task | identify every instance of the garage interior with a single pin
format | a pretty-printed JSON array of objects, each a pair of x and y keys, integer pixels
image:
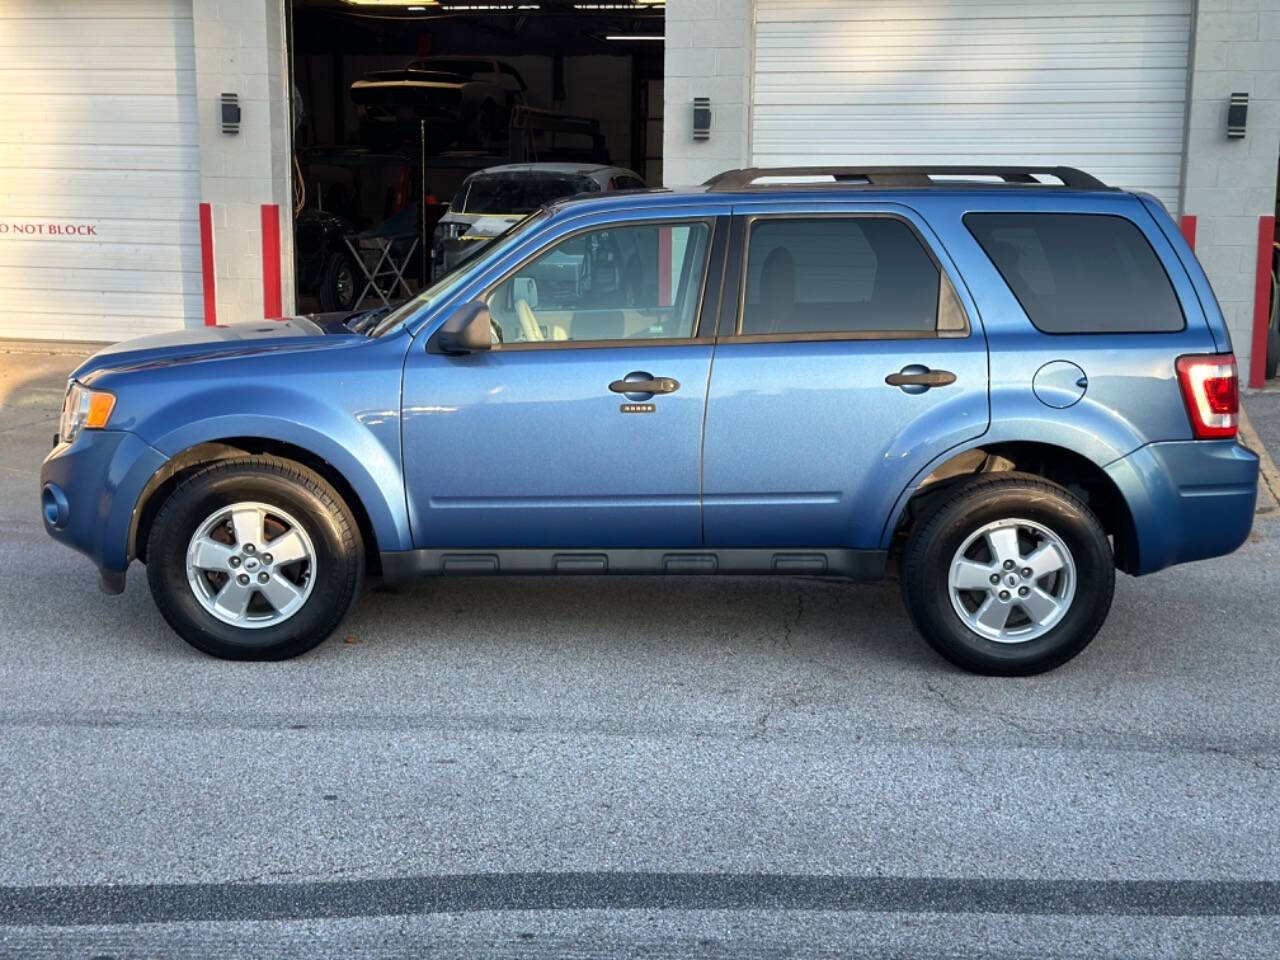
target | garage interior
[{"x": 582, "y": 83}]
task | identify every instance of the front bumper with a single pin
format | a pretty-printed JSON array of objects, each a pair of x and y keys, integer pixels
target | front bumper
[
  {"x": 89, "y": 491},
  {"x": 1189, "y": 500}
]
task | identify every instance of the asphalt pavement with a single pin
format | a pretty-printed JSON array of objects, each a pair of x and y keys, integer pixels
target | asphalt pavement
[
  {"x": 631, "y": 767},
  {"x": 1263, "y": 409}
]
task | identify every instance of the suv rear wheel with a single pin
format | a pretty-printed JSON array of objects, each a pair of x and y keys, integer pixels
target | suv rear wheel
[
  {"x": 254, "y": 558},
  {"x": 1011, "y": 576}
]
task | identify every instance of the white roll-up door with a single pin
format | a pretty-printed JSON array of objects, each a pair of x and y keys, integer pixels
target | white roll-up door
[
  {"x": 99, "y": 169},
  {"x": 1100, "y": 86}
]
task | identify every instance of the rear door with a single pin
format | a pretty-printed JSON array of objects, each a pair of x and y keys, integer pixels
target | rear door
[{"x": 850, "y": 357}]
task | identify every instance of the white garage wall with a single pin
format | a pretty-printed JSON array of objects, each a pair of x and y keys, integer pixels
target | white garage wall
[
  {"x": 1101, "y": 86},
  {"x": 98, "y": 136}
]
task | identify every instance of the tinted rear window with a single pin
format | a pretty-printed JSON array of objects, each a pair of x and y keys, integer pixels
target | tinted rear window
[
  {"x": 1080, "y": 273},
  {"x": 520, "y": 194},
  {"x": 845, "y": 275}
]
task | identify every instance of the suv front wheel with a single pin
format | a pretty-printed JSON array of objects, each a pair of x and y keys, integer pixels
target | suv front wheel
[
  {"x": 1011, "y": 576},
  {"x": 254, "y": 558}
]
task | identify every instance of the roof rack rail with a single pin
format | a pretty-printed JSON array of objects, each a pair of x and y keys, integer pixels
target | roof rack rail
[{"x": 906, "y": 176}]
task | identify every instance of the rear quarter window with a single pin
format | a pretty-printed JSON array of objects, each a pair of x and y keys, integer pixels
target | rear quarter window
[{"x": 1080, "y": 273}]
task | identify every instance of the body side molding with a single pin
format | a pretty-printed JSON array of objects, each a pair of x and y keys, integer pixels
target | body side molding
[{"x": 866, "y": 565}]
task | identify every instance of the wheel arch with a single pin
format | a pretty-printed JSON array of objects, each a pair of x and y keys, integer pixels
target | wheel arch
[
  {"x": 1057, "y": 464},
  {"x": 177, "y": 468}
]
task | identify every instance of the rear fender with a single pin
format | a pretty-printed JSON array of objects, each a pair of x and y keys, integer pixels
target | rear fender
[{"x": 1090, "y": 430}]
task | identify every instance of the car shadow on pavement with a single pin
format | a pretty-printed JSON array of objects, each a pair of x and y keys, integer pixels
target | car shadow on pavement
[
  {"x": 756, "y": 619},
  {"x": 646, "y": 615}
]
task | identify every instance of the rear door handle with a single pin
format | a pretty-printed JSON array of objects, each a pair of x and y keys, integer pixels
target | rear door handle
[
  {"x": 919, "y": 376},
  {"x": 645, "y": 383}
]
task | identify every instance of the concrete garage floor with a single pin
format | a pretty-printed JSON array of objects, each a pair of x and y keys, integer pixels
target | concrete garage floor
[{"x": 631, "y": 767}]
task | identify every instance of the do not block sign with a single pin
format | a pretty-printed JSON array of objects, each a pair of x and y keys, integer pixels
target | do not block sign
[{"x": 20, "y": 228}]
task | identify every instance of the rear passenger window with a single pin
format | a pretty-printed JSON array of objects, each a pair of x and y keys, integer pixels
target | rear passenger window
[
  {"x": 1080, "y": 273},
  {"x": 844, "y": 275}
]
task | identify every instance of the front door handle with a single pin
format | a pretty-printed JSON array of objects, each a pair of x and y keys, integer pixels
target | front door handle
[
  {"x": 916, "y": 378},
  {"x": 644, "y": 383}
]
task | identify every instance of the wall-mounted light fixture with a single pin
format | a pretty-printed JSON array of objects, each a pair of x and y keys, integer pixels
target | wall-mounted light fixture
[
  {"x": 1237, "y": 114},
  {"x": 230, "y": 113},
  {"x": 702, "y": 118}
]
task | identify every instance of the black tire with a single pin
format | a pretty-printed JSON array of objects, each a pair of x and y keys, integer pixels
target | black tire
[
  {"x": 932, "y": 546},
  {"x": 340, "y": 282},
  {"x": 328, "y": 522}
]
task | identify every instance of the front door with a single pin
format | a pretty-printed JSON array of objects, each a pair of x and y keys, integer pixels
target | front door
[
  {"x": 849, "y": 362},
  {"x": 582, "y": 427}
]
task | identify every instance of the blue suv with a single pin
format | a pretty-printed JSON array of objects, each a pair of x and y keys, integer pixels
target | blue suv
[{"x": 1001, "y": 383}]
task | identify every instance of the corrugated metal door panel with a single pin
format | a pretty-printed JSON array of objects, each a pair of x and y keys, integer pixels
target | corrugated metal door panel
[
  {"x": 1101, "y": 86},
  {"x": 99, "y": 169}
]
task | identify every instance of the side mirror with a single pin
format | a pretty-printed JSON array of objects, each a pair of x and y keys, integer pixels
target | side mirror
[{"x": 468, "y": 329}]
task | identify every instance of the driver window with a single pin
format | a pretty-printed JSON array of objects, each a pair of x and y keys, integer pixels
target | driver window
[{"x": 633, "y": 282}]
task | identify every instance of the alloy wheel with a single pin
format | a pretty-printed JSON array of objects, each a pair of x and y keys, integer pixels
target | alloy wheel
[
  {"x": 1012, "y": 580},
  {"x": 251, "y": 565}
]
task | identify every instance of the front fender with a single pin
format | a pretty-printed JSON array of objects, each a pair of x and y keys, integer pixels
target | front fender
[
  {"x": 340, "y": 403},
  {"x": 356, "y": 452}
]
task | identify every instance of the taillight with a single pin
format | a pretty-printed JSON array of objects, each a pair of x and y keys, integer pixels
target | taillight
[{"x": 1211, "y": 389}]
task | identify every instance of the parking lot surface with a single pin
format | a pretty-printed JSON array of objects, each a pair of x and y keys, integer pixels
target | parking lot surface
[{"x": 626, "y": 767}]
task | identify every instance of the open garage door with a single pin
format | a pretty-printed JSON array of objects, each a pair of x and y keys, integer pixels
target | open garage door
[
  {"x": 1101, "y": 86},
  {"x": 99, "y": 169},
  {"x": 401, "y": 106}
]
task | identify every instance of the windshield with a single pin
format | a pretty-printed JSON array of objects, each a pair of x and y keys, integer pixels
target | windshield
[
  {"x": 448, "y": 281},
  {"x": 509, "y": 194}
]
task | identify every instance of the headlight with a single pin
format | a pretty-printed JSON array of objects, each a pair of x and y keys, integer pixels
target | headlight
[{"x": 84, "y": 409}]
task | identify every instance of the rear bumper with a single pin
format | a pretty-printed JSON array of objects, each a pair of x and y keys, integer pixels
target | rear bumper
[
  {"x": 89, "y": 490},
  {"x": 1189, "y": 500}
]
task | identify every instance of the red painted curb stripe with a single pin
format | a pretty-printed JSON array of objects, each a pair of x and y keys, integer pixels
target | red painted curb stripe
[
  {"x": 1261, "y": 302},
  {"x": 1188, "y": 227},
  {"x": 271, "y": 301},
  {"x": 206, "y": 265}
]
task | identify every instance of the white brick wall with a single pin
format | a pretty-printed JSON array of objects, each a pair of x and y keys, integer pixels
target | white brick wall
[
  {"x": 1228, "y": 184},
  {"x": 709, "y": 50},
  {"x": 240, "y": 48}
]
